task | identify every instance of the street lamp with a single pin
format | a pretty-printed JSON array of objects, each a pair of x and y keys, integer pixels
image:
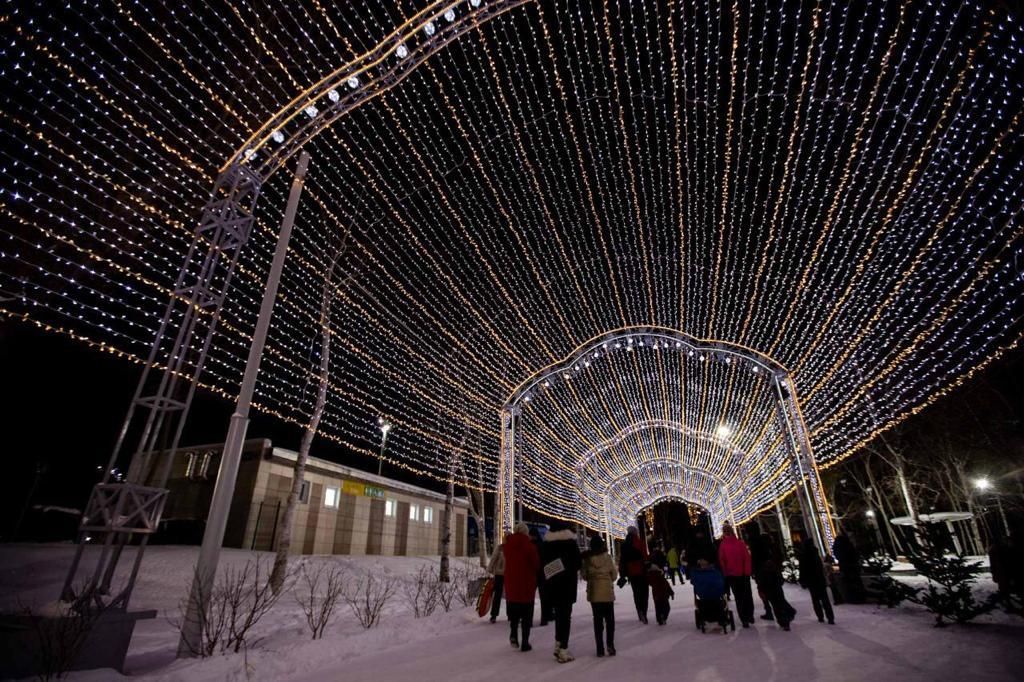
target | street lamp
[
  {"x": 385, "y": 427},
  {"x": 984, "y": 484},
  {"x": 873, "y": 522}
]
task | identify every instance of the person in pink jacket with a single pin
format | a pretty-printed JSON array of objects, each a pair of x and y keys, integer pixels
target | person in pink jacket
[{"x": 734, "y": 560}]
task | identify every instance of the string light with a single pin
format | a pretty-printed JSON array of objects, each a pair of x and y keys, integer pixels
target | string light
[{"x": 839, "y": 189}]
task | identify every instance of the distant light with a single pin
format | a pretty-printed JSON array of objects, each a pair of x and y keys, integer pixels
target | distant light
[
  {"x": 870, "y": 513},
  {"x": 311, "y": 111},
  {"x": 449, "y": 15},
  {"x": 982, "y": 483},
  {"x": 277, "y": 136},
  {"x": 429, "y": 28},
  {"x": 401, "y": 51},
  {"x": 723, "y": 431},
  {"x": 353, "y": 82},
  {"x": 333, "y": 95}
]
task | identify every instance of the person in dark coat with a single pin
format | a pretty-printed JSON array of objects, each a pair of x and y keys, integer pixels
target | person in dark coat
[
  {"x": 631, "y": 567},
  {"x": 560, "y": 562},
  {"x": 661, "y": 591},
  {"x": 848, "y": 558},
  {"x": 812, "y": 577},
  {"x": 521, "y": 565},
  {"x": 700, "y": 548},
  {"x": 757, "y": 543},
  {"x": 547, "y": 614},
  {"x": 769, "y": 581}
]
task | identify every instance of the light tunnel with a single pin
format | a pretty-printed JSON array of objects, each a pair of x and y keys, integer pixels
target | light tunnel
[{"x": 643, "y": 411}]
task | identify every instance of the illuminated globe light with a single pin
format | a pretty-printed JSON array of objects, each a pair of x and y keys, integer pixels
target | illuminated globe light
[
  {"x": 450, "y": 15},
  {"x": 311, "y": 111},
  {"x": 401, "y": 51},
  {"x": 475, "y": 3},
  {"x": 277, "y": 136},
  {"x": 429, "y": 28},
  {"x": 334, "y": 95},
  {"x": 353, "y": 82}
]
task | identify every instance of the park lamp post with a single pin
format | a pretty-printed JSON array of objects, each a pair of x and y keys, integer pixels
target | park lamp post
[
  {"x": 873, "y": 522},
  {"x": 984, "y": 484},
  {"x": 385, "y": 427}
]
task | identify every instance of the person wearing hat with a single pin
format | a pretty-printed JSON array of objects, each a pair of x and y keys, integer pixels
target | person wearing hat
[
  {"x": 560, "y": 562},
  {"x": 631, "y": 568},
  {"x": 598, "y": 570},
  {"x": 734, "y": 561},
  {"x": 521, "y": 565}
]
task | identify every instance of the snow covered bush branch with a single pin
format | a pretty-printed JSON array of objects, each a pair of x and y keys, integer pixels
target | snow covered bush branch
[
  {"x": 367, "y": 597},
  {"x": 318, "y": 595}
]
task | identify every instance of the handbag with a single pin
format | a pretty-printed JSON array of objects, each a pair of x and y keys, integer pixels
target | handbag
[{"x": 621, "y": 581}]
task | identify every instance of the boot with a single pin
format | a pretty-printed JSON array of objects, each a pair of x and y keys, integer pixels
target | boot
[
  {"x": 564, "y": 656},
  {"x": 611, "y": 649}
]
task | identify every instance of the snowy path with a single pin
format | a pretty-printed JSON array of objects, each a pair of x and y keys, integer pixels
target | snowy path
[{"x": 866, "y": 644}]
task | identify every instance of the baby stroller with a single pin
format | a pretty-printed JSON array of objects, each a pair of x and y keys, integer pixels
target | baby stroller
[{"x": 709, "y": 597}]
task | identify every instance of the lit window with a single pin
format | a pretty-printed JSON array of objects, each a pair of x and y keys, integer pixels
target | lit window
[
  {"x": 414, "y": 512},
  {"x": 331, "y": 498},
  {"x": 389, "y": 508},
  {"x": 428, "y": 514}
]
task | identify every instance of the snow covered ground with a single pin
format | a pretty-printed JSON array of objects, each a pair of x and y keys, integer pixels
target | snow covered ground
[{"x": 867, "y": 643}]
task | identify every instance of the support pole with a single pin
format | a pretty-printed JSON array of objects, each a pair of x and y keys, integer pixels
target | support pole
[
  {"x": 223, "y": 492},
  {"x": 787, "y": 535}
]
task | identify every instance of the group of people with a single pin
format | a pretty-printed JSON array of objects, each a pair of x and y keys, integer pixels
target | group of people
[{"x": 525, "y": 564}]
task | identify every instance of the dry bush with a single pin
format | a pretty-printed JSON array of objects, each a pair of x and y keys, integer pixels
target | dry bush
[
  {"x": 367, "y": 596},
  {"x": 60, "y": 638},
  {"x": 464, "y": 577},
  {"x": 421, "y": 591},
  {"x": 239, "y": 599},
  {"x": 317, "y": 593}
]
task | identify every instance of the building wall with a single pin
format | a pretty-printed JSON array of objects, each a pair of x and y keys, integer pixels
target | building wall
[{"x": 370, "y": 516}]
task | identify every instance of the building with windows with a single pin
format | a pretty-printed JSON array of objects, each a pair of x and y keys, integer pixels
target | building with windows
[{"x": 341, "y": 510}]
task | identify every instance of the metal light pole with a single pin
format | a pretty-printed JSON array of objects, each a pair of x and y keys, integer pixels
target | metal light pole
[
  {"x": 385, "y": 428},
  {"x": 873, "y": 522},
  {"x": 985, "y": 485},
  {"x": 209, "y": 554}
]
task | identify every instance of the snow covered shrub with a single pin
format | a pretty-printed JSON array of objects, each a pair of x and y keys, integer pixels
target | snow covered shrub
[
  {"x": 367, "y": 596},
  {"x": 466, "y": 578},
  {"x": 949, "y": 593},
  {"x": 59, "y": 638},
  {"x": 318, "y": 594},
  {"x": 446, "y": 594},
  {"x": 239, "y": 599},
  {"x": 421, "y": 591},
  {"x": 881, "y": 586},
  {"x": 791, "y": 567}
]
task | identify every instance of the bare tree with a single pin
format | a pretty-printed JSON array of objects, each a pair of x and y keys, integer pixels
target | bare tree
[
  {"x": 284, "y": 529},
  {"x": 475, "y": 496}
]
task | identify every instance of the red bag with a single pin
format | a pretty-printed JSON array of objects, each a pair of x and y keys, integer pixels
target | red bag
[{"x": 483, "y": 602}]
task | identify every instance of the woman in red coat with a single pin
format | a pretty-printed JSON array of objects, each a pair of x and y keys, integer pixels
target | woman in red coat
[
  {"x": 734, "y": 560},
  {"x": 522, "y": 562}
]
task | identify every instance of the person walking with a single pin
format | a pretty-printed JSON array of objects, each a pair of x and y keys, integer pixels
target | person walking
[
  {"x": 560, "y": 562},
  {"x": 631, "y": 567},
  {"x": 812, "y": 577},
  {"x": 734, "y": 561},
  {"x": 546, "y": 612},
  {"x": 497, "y": 569},
  {"x": 848, "y": 558},
  {"x": 661, "y": 591},
  {"x": 522, "y": 563},
  {"x": 757, "y": 543},
  {"x": 598, "y": 570},
  {"x": 769, "y": 581},
  {"x": 673, "y": 565}
]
